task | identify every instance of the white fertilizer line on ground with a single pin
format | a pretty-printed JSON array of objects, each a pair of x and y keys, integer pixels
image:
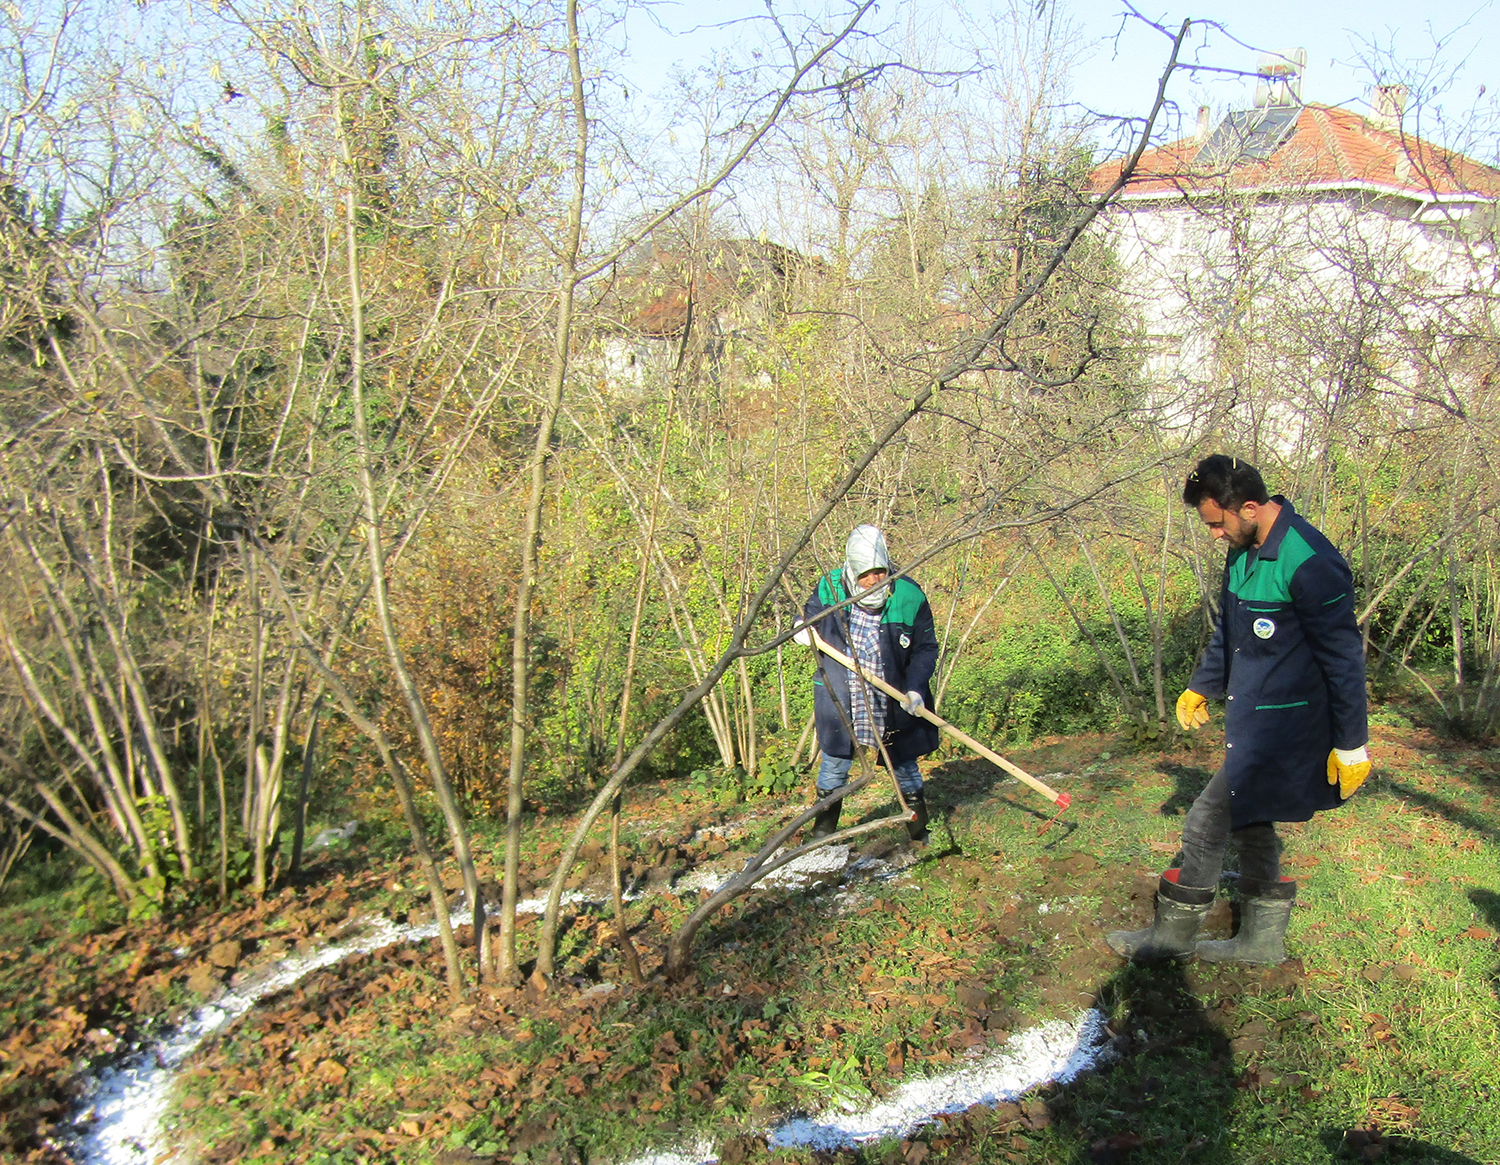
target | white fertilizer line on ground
[
  {"x": 119, "y": 1121},
  {"x": 701, "y": 1153},
  {"x": 120, "y": 1118},
  {"x": 126, "y": 1102},
  {"x": 795, "y": 875},
  {"x": 1056, "y": 1051}
]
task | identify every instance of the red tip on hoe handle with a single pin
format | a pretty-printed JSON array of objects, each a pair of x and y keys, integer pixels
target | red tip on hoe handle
[{"x": 1062, "y": 802}]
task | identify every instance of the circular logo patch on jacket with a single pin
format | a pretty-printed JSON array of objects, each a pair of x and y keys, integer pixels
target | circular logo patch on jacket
[
  {"x": 906, "y": 641},
  {"x": 1263, "y": 628}
]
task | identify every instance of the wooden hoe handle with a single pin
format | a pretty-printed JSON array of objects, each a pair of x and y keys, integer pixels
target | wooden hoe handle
[{"x": 1061, "y": 800}]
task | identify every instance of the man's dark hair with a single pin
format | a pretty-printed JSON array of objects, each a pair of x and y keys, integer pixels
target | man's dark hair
[{"x": 1226, "y": 481}]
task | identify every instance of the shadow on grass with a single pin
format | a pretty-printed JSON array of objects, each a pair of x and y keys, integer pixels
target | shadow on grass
[
  {"x": 959, "y": 783},
  {"x": 1487, "y": 827},
  {"x": 1190, "y": 781},
  {"x": 1372, "y": 1145},
  {"x": 1487, "y": 902},
  {"x": 1169, "y": 1094}
]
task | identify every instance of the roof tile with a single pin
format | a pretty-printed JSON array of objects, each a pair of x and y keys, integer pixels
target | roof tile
[{"x": 1329, "y": 146}]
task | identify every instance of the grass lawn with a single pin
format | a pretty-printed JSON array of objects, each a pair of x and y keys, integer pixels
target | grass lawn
[{"x": 1378, "y": 1040}]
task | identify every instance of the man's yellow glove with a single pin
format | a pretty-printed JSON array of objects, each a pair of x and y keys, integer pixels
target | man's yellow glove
[
  {"x": 1348, "y": 768},
  {"x": 1192, "y": 710}
]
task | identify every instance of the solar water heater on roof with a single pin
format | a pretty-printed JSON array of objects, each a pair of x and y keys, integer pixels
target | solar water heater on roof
[{"x": 1249, "y": 135}]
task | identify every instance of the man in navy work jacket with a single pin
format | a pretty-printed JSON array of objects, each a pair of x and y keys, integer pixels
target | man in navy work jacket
[
  {"x": 889, "y": 631},
  {"x": 1288, "y": 660}
]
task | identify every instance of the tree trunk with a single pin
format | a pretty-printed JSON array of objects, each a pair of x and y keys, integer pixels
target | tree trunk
[
  {"x": 375, "y": 555},
  {"x": 531, "y": 534}
]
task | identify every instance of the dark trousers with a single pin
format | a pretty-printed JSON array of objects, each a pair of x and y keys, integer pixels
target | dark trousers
[{"x": 1206, "y": 836}]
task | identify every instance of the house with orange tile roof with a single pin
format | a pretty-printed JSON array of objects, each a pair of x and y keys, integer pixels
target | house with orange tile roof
[
  {"x": 1303, "y": 150},
  {"x": 711, "y": 303},
  {"x": 1298, "y": 254}
]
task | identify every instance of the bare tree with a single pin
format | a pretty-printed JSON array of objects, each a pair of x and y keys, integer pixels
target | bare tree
[
  {"x": 575, "y": 270},
  {"x": 971, "y": 354}
]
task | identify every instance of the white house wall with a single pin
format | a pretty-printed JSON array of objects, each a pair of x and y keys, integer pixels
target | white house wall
[{"x": 1270, "y": 295}]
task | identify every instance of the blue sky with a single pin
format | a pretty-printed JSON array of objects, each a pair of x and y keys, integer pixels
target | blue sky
[
  {"x": 1452, "y": 47},
  {"x": 1461, "y": 37}
]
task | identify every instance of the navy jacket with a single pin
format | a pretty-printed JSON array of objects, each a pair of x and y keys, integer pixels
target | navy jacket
[
  {"x": 1288, "y": 655},
  {"x": 908, "y": 652}
]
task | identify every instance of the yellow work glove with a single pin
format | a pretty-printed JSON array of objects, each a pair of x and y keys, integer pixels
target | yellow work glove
[
  {"x": 1348, "y": 768},
  {"x": 1192, "y": 710}
]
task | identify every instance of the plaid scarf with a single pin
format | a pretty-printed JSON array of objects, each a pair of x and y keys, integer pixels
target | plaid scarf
[{"x": 866, "y": 704}]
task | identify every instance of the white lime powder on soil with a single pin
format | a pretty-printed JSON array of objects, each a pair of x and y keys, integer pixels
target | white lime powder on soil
[{"x": 120, "y": 1120}]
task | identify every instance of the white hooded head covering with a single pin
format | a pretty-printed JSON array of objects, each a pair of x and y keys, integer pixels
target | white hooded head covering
[{"x": 864, "y": 551}]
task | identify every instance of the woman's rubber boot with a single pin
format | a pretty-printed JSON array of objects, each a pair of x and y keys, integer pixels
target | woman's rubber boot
[
  {"x": 916, "y": 828},
  {"x": 1265, "y": 910},
  {"x": 827, "y": 821},
  {"x": 1174, "y": 932}
]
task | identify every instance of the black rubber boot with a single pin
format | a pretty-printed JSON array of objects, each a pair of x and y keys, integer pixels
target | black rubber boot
[
  {"x": 1174, "y": 932},
  {"x": 827, "y": 821},
  {"x": 916, "y": 828},
  {"x": 1265, "y": 910}
]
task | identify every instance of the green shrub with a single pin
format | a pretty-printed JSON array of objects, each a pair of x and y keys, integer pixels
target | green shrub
[{"x": 1030, "y": 682}]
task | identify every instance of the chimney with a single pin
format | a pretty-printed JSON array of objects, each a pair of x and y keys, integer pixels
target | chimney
[
  {"x": 1279, "y": 78},
  {"x": 1205, "y": 124},
  {"x": 1387, "y": 105}
]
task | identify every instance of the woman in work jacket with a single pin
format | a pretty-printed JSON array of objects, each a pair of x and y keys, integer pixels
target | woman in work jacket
[{"x": 889, "y": 631}]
